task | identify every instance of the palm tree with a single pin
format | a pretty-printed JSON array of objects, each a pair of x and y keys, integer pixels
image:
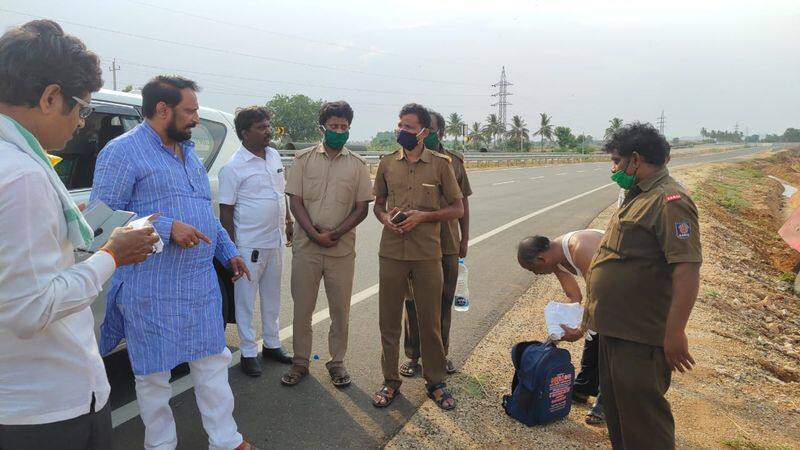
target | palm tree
[
  {"x": 455, "y": 126},
  {"x": 545, "y": 128},
  {"x": 519, "y": 130},
  {"x": 476, "y": 134},
  {"x": 614, "y": 125},
  {"x": 493, "y": 127}
]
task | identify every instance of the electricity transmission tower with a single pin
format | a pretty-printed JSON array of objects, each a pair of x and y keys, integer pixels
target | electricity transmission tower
[
  {"x": 502, "y": 97},
  {"x": 114, "y": 68},
  {"x": 660, "y": 121}
]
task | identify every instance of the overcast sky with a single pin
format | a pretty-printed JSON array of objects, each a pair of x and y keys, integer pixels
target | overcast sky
[{"x": 706, "y": 63}]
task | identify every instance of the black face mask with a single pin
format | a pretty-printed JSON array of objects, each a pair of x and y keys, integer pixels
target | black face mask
[
  {"x": 407, "y": 140},
  {"x": 177, "y": 135}
]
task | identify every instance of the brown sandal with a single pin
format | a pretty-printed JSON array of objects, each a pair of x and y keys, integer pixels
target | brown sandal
[
  {"x": 339, "y": 377},
  {"x": 294, "y": 376},
  {"x": 410, "y": 368},
  {"x": 384, "y": 398}
]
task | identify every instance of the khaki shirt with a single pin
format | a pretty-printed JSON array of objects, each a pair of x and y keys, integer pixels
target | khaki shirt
[
  {"x": 451, "y": 232},
  {"x": 629, "y": 284},
  {"x": 330, "y": 189},
  {"x": 427, "y": 185}
]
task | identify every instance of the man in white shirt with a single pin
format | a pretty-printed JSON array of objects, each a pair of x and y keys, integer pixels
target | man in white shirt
[
  {"x": 53, "y": 385},
  {"x": 252, "y": 207}
]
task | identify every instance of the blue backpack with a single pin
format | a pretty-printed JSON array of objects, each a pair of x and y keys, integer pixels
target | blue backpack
[{"x": 541, "y": 391}]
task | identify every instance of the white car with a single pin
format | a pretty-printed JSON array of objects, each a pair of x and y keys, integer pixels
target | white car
[{"x": 117, "y": 112}]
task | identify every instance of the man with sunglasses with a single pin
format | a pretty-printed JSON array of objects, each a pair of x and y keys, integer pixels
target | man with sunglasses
[{"x": 53, "y": 386}]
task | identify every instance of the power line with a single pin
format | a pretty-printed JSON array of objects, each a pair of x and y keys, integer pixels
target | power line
[
  {"x": 237, "y": 53},
  {"x": 340, "y": 46},
  {"x": 263, "y": 80}
]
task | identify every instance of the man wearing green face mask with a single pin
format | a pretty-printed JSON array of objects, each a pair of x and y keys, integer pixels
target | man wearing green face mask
[
  {"x": 642, "y": 285},
  {"x": 329, "y": 189}
]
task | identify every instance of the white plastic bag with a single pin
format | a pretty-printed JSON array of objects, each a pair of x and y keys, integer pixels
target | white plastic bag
[{"x": 557, "y": 313}]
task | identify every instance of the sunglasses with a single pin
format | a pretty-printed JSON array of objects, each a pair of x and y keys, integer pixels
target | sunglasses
[{"x": 86, "y": 109}]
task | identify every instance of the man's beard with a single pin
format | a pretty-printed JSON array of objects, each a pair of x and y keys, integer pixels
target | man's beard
[{"x": 177, "y": 135}]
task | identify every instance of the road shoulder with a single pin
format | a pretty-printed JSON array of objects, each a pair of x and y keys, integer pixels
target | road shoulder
[{"x": 743, "y": 392}]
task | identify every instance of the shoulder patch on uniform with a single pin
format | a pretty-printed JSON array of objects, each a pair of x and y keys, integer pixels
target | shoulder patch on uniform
[
  {"x": 303, "y": 152},
  {"x": 458, "y": 155},
  {"x": 683, "y": 230},
  {"x": 358, "y": 157},
  {"x": 672, "y": 197},
  {"x": 445, "y": 157}
]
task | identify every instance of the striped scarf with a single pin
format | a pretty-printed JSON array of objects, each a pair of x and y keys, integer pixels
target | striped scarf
[{"x": 78, "y": 230}]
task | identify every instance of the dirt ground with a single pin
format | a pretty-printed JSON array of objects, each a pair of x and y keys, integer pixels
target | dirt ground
[{"x": 744, "y": 334}]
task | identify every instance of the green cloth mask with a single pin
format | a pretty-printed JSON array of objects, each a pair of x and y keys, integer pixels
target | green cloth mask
[
  {"x": 432, "y": 141},
  {"x": 622, "y": 178},
  {"x": 336, "y": 140}
]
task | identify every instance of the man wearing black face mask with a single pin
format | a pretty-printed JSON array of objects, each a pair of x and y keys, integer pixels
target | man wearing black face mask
[
  {"x": 415, "y": 190},
  {"x": 642, "y": 285}
]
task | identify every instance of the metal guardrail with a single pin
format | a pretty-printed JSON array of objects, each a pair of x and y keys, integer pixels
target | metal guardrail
[{"x": 287, "y": 156}]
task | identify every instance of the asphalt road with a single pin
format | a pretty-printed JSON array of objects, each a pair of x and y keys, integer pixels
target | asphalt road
[{"x": 507, "y": 205}]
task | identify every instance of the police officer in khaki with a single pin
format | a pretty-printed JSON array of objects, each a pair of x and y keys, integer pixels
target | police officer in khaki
[
  {"x": 455, "y": 240},
  {"x": 329, "y": 189},
  {"x": 642, "y": 285},
  {"x": 415, "y": 190}
]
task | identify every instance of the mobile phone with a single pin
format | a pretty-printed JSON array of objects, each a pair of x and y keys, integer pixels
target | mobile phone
[
  {"x": 398, "y": 217},
  {"x": 254, "y": 256}
]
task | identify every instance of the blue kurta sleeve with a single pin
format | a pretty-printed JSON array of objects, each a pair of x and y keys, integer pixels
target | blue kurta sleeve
[
  {"x": 114, "y": 181},
  {"x": 226, "y": 249}
]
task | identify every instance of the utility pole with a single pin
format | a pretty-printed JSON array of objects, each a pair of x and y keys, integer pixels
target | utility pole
[
  {"x": 114, "y": 68},
  {"x": 660, "y": 121},
  {"x": 502, "y": 97}
]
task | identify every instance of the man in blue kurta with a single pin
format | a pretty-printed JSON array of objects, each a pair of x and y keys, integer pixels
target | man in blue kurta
[{"x": 169, "y": 308}]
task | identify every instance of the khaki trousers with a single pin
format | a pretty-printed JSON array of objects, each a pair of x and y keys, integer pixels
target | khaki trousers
[
  {"x": 307, "y": 271},
  {"x": 633, "y": 379},
  {"x": 411, "y": 327},
  {"x": 426, "y": 280}
]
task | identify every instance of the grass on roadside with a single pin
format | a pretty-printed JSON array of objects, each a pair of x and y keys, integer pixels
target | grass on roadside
[
  {"x": 747, "y": 444},
  {"x": 473, "y": 385}
]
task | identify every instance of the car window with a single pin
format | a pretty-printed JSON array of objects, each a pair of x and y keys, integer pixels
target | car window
[
  {"x": 76, "y": 170},
  {"x": 208, "y": 137}
]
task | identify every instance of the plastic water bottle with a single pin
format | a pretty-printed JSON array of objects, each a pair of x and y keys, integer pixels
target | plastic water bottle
[{"x": 461, "y": 302}]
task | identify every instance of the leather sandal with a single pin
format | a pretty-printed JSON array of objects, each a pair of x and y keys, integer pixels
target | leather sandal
[
  {"x": 444, "y": 397},
  {"x": 410, "y": 368},
  {"x": 339, "y": 377},
  {"x": 294, "y": 376},
  {"x": 383, "y": 397}
]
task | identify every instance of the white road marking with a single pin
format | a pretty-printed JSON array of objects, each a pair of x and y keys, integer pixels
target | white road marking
[
  {"x": 562, "y": 173},
  {"x": 131, "y": 410},
  {"x": 581, "y": 171},
  {"x": 503, "y": 182},
  {"x": 597, "y": 169},
  {"x": 536, "y": 178}
]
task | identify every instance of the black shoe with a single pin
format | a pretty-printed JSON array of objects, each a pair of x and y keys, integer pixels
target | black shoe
[
  {"x": 276, "y": 354},
  {"x": 251, "y": 366}
]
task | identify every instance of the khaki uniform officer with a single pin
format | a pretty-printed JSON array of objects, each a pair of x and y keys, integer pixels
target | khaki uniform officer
[
  {"x": 422, "y": 183},
  {"x": 330, "y": 186},
  {"x": 450, "y": 238},
  {"x": 642, "y": 284}
]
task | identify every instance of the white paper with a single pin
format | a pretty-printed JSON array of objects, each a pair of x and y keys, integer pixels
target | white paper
[
  {"x": 158, "y": 247},
  {"x": 557, "y": 313}
]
